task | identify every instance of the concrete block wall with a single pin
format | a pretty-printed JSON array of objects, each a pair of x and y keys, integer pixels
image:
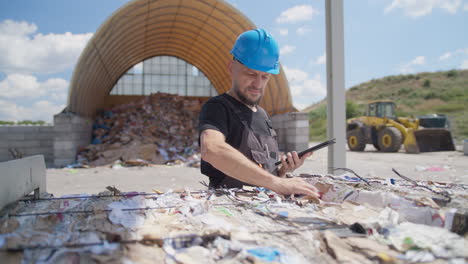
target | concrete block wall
[
  {"x": 279, "y": 124},
  {"x": 27, "y": 140},
  {"x": 71, "y": 132},
  {"x": 292, "y": 130}
]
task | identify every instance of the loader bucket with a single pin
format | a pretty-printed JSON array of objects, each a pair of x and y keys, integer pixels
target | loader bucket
[
  {"x": 410, "y": 143},
  {"x": 434, "y": 139}
]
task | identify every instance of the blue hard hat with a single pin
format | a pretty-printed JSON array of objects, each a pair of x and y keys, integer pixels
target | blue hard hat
[{"x": 258, "y": 50}]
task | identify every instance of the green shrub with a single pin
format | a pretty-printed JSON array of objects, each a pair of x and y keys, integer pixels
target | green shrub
[
  {"x": 404, "y": 90},
  {"x": 7, "y": 122},
  {"x": 427, "y": 83},
  {"x": 352, "y": 109},
  {"x": 318, "y": 130},
  {"x": 318, "y": 123},
  {"x": 410, "y": 102},
  {"x": 452, "y": 73},
  {"x": 320, "y": 112},
  {"x": 430, "y": 95},
  {"x": 29, "y": 122},
  {"x": 453, "y": 94},
  {"x": 461, "y": 126},
  {"x": 24, "y": 122}
]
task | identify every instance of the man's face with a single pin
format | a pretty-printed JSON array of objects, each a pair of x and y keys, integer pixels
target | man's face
[{"x": 248, "y": 84}]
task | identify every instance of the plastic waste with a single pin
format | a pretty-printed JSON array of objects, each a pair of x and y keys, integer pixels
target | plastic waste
[{"x": 266, "y": 253}]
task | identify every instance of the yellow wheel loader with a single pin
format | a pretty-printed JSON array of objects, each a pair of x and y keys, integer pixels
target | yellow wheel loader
[{"x": 387, "y": 133}]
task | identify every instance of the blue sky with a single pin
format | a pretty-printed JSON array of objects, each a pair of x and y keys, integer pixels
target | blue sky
[{"x": 40, "y": 42}]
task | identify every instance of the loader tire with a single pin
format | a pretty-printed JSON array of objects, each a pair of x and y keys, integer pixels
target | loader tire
[
  {"x": 355, "y": 140},
  {"x": 390, "y": 139},
  {"x": 375, "y": 138}
]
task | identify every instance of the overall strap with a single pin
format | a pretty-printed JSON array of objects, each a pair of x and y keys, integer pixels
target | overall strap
[
  {"x": 237, "y": 111},
  {"x": 264, "y": 113},
  {"x": 268, "y": 121}
]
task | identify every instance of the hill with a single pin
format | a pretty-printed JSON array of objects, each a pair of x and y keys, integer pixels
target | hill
[{"x": 444, "y": 92}]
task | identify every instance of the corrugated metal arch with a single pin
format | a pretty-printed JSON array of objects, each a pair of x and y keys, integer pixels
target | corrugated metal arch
[{"x": 200, "y": 32}]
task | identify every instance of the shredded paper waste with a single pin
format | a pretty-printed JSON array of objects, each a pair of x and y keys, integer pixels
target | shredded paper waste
[{"x": 376, "y": 221}]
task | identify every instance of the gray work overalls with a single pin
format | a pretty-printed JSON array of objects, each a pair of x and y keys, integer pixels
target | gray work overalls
[{"x": 261, "y": 149}]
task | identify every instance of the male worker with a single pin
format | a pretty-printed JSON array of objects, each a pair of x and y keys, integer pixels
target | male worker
[{"x": 238, "y": 143}]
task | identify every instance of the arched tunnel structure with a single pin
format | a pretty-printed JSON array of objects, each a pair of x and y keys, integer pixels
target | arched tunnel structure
[{"x": 200, "y": 32}]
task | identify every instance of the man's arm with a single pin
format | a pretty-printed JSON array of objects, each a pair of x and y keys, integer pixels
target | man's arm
[{"x": 231, "y": 162}]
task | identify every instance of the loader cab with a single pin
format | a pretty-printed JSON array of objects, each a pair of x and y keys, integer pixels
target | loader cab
[{"x": 381, "y": 109}]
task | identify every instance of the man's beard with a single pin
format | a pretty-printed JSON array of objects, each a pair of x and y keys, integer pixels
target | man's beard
[{"x": 244, "y": 99}]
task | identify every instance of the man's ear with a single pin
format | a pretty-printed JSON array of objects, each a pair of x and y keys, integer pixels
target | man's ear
[{"x": 229, "y": 66}]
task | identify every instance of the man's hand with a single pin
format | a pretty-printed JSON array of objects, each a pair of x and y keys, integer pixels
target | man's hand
[
  {"x": 293, "y": 162},
  {"x": 295, "y": 185}
]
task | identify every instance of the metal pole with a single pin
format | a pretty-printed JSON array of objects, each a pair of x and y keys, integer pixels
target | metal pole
[{"x": 336, "y": 106}]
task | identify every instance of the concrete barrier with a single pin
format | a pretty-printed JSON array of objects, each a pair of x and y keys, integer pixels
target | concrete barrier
[{"x": 21, "y": 177}]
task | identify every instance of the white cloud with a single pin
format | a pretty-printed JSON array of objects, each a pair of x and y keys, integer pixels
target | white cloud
[
  {"x": 465, "y": 7},
  {"x": 412, "y": 8},
  {"x": 295, "y": 75},
  {"x": 283, "y": 31},
  {"x": 304, "y": 90},
  {"x": 27, "y": 86},
  {"x": 408, "y": 67},
  {"x": 40, "y": 110},
  {"x": 418, "y": 8},
  {"x": 301, "y": 31},
  {"x": 464, "y": 65},
  {"x": 446, "y": 56},
  {"x": 296, "y": 14},
  {"x": 286, "y": 49},
  {"x": 420, "y": 60},
  {"x": 450, "y": 6},
  {"x": 322, "y": 59},
  {"x": 26, "y": 51},
  {"x": 452, "y": 54},
  {"x": 13, "y": 28}
]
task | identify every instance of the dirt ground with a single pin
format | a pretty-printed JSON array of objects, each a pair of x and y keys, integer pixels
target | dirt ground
[{"x": 449, "y": 166}]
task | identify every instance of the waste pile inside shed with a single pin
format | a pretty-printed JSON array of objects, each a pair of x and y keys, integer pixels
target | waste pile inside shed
[{"x": 157, "y": 129}]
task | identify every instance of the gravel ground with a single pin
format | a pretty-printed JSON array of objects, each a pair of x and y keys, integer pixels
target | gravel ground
[{"x": 449, "y": 166}]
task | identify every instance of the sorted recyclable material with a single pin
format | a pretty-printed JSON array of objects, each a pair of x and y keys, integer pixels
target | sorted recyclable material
[
  {"x": 409, "y": 236},
  {"x": 355, "y": 222},
  {"x": 156, "y": 129}
]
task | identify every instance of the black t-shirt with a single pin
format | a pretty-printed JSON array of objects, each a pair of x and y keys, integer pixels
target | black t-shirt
[{"x": 215, "y": 114}]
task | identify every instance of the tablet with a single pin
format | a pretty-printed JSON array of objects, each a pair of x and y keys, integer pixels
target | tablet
[{"x": 314, "y": 148}]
